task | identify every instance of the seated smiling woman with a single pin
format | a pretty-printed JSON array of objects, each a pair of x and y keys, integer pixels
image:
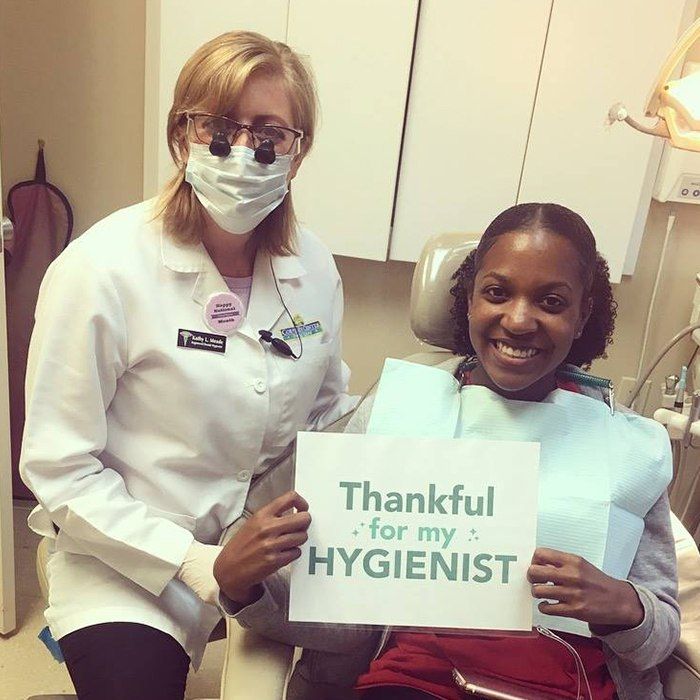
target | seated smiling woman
[
  {"x": 533, "y": 306},
  {"x": 533, "y": 298}
]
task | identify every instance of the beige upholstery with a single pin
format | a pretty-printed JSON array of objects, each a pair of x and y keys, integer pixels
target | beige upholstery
[
  {"x": 431, "y": 300},
  {"x": 681, "y": 673},
  {"x": 688, "y": 592},
  {"x": 255, "y": 667},
  {"x": 258, "y": 668},
  {"x": 42, "y": 556}
]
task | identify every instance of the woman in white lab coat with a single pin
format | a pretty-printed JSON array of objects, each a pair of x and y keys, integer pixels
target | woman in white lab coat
[{"x": 179, "y": 346}]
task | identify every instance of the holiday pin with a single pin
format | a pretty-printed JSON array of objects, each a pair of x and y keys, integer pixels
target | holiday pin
[{"x": 223, "y": 312}]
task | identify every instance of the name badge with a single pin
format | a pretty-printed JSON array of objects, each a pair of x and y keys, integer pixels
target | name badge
[
  {"x": 305, "y": 330},
  {"x": 196, "y": 340}
]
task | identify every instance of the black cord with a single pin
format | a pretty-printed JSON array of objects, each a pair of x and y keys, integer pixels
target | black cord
[{"x": 301, "y": 345}]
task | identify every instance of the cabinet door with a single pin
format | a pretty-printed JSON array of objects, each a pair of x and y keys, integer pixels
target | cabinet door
[
  {"x": 360, "y": 52},
  {"x": 472, "y": 93},
  {"x": 174, "y": 30},
  {"x": 598, "y": 52}
]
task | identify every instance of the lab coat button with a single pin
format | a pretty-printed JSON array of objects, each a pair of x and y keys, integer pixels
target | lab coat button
[
  {"x": 259, "y": 386},
  {"x": 244, "y": 475}
]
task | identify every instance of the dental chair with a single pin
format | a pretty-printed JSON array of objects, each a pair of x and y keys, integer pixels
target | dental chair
[
  {"x": 256, "y": 668},
  {"x": 259, "y": 668}
]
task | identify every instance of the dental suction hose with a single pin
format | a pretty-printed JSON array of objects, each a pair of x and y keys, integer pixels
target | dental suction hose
[{"x": 652, "y": 366}]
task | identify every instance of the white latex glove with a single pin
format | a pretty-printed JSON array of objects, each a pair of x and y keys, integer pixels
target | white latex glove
[{"x": 197, "y": 571}]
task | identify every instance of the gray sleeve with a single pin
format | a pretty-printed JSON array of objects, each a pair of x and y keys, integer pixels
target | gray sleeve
[
  {"x": 654, "y": 577},
  {"x": 269, "y": 616},
  {"x": 360, "y": 418}
]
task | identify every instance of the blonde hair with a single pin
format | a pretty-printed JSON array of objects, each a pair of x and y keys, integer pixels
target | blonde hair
[{"x": 211, "y": 81}]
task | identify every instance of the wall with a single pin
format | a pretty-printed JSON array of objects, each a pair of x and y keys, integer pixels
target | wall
[
  {"x": 376, "y": 316},
  {"x": 72, "y": 73}
]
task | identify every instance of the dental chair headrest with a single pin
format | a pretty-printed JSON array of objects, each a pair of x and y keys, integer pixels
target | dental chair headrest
[{"x": 431, "y": 300}]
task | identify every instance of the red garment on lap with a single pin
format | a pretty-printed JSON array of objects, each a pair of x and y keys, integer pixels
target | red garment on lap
[{"x": 425, "y": 660}]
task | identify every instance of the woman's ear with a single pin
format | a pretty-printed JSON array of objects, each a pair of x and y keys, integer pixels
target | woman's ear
[
  {"x": 586, "y": 310},
  {"x": 469, "y": 299},
  {"x": 296, "y": 162},
  {"x": 183, "y": 150},
  {"x": 181, "y": 142}
]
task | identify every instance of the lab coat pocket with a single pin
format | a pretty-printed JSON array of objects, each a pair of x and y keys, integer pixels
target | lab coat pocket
[
  {"x": 186, "y": 521},
  {"x": 303, "y": 380},
  {"x": 86, "y": 538},
  {"x": 316, "y": 353}
]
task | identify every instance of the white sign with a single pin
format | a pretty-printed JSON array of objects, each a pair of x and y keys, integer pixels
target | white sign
[{"x": 418, "y": 532}]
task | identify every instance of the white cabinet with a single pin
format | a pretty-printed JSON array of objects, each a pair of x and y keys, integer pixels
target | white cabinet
[
  {"x": 437, "y": 115},
  {"x": 508, "y": 103},
  {"x": 472, "y": 93},
  {"x": 360, "y": 51},
  {"x": 598, "y": 52}
]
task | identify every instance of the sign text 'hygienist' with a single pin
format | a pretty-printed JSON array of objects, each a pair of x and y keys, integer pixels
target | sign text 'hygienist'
[{"x": 442, "y": 556}]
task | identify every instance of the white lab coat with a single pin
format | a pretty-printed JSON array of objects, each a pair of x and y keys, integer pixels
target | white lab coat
[{"x": 134, "y": 446}]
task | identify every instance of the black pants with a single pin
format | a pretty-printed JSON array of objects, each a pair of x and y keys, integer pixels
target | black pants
[{"x": 125, "y": 661}]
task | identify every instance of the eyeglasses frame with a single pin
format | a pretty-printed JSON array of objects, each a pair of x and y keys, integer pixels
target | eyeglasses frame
[{"x": 298, "y": 133}]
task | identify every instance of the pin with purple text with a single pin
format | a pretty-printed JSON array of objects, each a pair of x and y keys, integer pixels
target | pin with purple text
[{"x": 223, "y": 312}]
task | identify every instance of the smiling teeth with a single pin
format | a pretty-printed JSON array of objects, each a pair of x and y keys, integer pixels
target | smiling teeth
[{"x": 510, "y": 351}]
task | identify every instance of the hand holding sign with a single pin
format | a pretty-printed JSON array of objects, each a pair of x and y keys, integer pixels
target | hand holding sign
[
  {"x": 267, "y": 542},
  {"x": 583, "y": 592}
]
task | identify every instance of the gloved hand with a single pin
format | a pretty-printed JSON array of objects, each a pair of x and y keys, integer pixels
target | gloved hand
[{"x": 197, "y": 571}]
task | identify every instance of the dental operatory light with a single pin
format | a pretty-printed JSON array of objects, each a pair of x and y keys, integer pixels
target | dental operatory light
[{"x": 674, "y": 103}]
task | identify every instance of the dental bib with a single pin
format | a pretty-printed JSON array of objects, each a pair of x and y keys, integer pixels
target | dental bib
[{"x": 600, "y": 473}]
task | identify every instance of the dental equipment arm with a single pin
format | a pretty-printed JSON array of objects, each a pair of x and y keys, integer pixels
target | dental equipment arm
[{"x": 674, "y": 103}]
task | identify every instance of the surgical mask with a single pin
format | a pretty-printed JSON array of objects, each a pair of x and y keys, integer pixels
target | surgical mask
[{"x": 236, "y": 190}]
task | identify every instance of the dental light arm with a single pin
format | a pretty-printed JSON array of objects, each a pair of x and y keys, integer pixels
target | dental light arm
[{"x": 674, "y": 103}]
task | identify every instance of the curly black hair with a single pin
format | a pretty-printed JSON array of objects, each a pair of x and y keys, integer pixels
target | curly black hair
[{"x": 597, "y": 333}]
